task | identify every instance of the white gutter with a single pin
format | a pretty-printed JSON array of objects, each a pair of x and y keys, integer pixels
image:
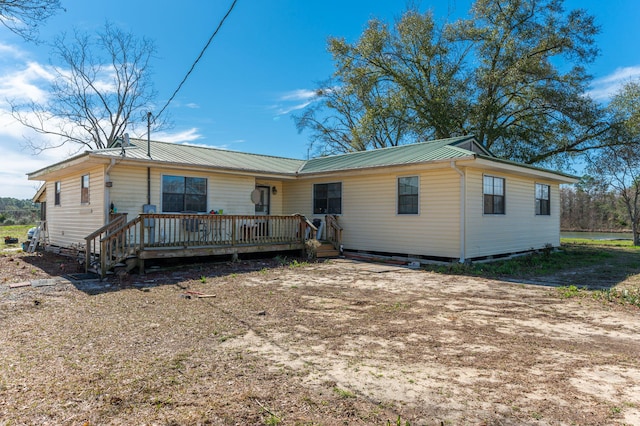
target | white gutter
[
  {"x": 463, "y": 209},
  {"x": 107, "y": 190}
]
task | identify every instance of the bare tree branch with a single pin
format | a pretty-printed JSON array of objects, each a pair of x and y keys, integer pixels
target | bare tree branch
[
  {"x": 23, "y": 17},
  {"x": 101, "y": 84}
]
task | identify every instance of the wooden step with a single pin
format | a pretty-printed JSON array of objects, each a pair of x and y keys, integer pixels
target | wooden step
[{"x": 326, "y": 250}]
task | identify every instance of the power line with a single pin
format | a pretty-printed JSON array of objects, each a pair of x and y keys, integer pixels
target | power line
[{"x": 197, "y": 59}]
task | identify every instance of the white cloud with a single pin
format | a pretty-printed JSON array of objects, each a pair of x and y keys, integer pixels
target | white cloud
[
  {"x": 299, "y": 95},
  {"x": 188, "y": 135},
  {"x": 9, "y": 52},
  {"x": 294, "y": 101},
  {"x": 26, "y": 84},
  {"x": 604, "y": 88}
]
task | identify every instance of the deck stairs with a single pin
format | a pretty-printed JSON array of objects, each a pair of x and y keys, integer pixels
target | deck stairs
[{"x": 326, "y": 250}]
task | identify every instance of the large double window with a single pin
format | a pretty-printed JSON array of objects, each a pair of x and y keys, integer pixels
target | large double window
[
  {"x": 327, "y": 198},
  {"x": 543, "y": 200},
  {"x": 493, "y": 190},
  {"x": 184, "y": 194},
  {"x": 408, "y": 189}
]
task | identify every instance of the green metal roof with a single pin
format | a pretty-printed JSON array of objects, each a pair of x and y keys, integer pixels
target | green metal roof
[
  {"x": 441, "y": 149},
  {"x": 201, "y": 156},
  {"x": 193, "y": 155}
]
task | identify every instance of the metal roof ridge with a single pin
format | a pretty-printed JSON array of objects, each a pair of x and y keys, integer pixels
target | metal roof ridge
[
  {"x": 215, "y": 149},
  {"x": 386, "y": 148}
]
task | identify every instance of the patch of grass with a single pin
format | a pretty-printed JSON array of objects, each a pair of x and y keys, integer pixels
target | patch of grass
[
  {"x": 14, "y": 231},
  {"x": 619, "y": 257},
  {"x": 612, "y": 295},
  {"x": 272, "y": 420},
  {"x": 17, "y": 231},
  {"x": 621, "y": 296},
  {"x": 203, "y": 279},
  {"x": 342, "y": 393},
  {"x": 295, "y": 263},
  {"x": 398, "y": 422},
  {"x": 291, "y": 263},
  {"x": 568, "y": 291}
]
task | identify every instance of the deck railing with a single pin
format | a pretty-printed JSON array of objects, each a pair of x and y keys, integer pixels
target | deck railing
[
  {"x": 184, "y": 231},
  {"x": 92, "y": 241},
  {"x": 334, "y": 231}
]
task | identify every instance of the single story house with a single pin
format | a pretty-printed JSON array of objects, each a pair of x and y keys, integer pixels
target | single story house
[{"x": 447, "y": 199}]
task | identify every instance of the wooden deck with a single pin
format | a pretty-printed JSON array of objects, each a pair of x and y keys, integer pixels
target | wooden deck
[{"x": 157, "y": 236}]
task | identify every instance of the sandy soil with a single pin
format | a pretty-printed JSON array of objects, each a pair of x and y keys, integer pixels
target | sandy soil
[{"x": 340, "y": 342}]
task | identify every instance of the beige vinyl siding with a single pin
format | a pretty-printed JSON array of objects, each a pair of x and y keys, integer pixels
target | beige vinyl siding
[
  {"x": 519, "y": 229},
  {"x": 231, "y": 193},
  {"x": 227, "y": 192},
  {"x": 369, "y": 218},
  {"x": 275, "y": 200},
  {"x": 128, "y": 192},
  {"x": 71, "y": 221}
]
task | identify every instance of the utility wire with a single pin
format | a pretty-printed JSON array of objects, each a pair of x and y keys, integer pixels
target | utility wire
[{"x": 197, "y": 59}]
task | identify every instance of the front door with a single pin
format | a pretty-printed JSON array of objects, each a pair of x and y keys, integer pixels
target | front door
[
  {"x": 262, "y": 206},
  {"x": 262, "y": 209}
]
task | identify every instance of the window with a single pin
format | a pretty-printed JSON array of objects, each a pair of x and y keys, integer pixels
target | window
[
  {"x": 58, "y": 190},
  {"x": 543, "y": 200},
  {"x": 408, "y": 195},
  {"x": 327, "y": 198},
  {"x": 493, "y": 189},
  {"x": 84, "y": 189},
  {"x": 184, "y": 194}
]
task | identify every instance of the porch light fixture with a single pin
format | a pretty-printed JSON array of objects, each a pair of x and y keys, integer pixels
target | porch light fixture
[{"x": 274, "y": 190}]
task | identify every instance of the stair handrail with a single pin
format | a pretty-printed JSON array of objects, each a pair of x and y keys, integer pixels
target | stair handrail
[
  {"x": 334, "y": 231},
  {"x": 92, "y": 240},
  {"x": 307, "y": 224},
  {"x": 119, "y": 244}
]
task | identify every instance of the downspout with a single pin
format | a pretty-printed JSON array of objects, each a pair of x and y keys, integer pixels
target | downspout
[
  {"x": 107, "y": 190},
  {"x": 463, "y": 220}
]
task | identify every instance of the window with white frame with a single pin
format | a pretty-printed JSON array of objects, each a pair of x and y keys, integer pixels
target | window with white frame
[
  {"x": 327, "y": 198},
  {"x": 57, "y": 191},
  {"x": 408, "y": 198},
  {"x": 184, "y": 194},
  {"x": 543, "y": 200},
  {"x": 494, "y": 195},
  {"x": 84, "y": 189}
]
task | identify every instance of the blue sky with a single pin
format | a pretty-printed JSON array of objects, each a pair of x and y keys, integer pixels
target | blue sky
[{"x": 260, "y": 69}]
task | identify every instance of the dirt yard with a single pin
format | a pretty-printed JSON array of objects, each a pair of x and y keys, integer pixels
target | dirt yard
[{"x": 334, "y": 343}]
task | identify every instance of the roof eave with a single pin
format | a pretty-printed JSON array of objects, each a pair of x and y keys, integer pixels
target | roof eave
[
  {"x": 148, "y": 162},
  {"x": 385, "y": 166},
  {"x": 525, "y": 169},
  {"x": 71, "y": 162}
]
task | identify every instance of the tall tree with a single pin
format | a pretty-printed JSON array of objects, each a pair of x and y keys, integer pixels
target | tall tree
[
  {"x": 24, "y": 16},
  {"x": 391, "y": 86},
  {"x": 619, "y": 166},
  {"x": 101, "y": 88},
  {"x": 494, "y": 75}
]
